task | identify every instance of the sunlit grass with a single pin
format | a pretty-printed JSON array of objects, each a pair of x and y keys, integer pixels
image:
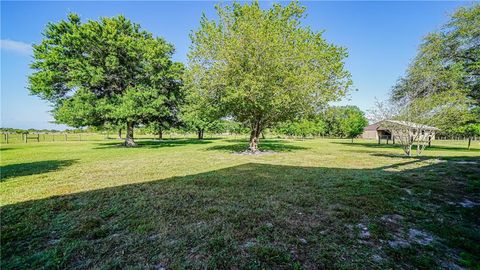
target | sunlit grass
[{"x": 185, "y": 203}]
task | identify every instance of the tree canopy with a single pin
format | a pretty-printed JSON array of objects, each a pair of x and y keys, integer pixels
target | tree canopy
[
  {"x": 105, "y": 71},
  {"x": 302, "y": 128},
  {"x": 262, "y": 67},
  {"x": 352, "y": 121},
  {"x": 445, "y": 75},
  {"x": 344, "y": 121},
  {"x": 198, "y": 112},
  {"x": 448, "y": 59}
]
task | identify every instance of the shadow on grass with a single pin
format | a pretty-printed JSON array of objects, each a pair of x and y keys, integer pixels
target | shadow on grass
[
  {"x": 422, "y": 157},
  {"x": 32, "y": 168},
  {"x": 261, "y": 140},
  {"x": 157, "y": 143},
  {"x": 387, "y": 146},
  {"x": 248, "y": 216},
  {"x": 273, "y": 145}
]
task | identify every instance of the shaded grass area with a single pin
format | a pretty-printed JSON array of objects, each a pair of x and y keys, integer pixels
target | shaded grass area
[
  {"x": 308, "y": 208},
  {"x": 158, "y": 143},
  {"x": 265, "y": 146},
  {"x": 32, "y": 168}
]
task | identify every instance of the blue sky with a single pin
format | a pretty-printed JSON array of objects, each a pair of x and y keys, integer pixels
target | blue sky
[{"x": 381, "y": 38}]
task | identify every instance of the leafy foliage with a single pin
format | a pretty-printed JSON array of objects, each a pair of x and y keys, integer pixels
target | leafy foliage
[
  {"x": 446, "y": 74},
  {"x": 352, "y": 121},
  {"x": 344, "y": 121},
  {"x": 303, "y": 128},
  {"x": 262, "y": 67},
  {"x": 448, "y": 60},
  {"x": 106, "y": 71},
  {"x": 198, "y": 113}
]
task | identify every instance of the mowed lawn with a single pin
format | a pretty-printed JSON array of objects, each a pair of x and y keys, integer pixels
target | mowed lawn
[{"x": 190, "y": 204}]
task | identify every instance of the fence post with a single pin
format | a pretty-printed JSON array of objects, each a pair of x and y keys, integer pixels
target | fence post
[
  {"x": 80, "y": 136},
  {"x": 7, "y": 137},
  {"x": 65, "y": 136},
  {"x": 38, "y": 137},
  {"x": 53, "y": 137}
]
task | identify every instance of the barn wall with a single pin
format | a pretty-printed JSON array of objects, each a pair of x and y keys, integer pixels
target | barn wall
[{"x": 369, "y": 134}]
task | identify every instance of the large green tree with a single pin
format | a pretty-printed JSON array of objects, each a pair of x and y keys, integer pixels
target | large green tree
[
  {"x": 446, "y": 73},
  {"x": 262, "y": 67},
  {"x": 108, "y": 71},
  {"x": 447, "y": 60}
]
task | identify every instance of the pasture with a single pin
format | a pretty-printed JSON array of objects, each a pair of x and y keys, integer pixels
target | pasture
[{"x": 196, "y": 204}]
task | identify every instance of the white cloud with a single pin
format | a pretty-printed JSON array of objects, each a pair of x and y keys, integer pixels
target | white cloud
[{"x": 16, "y": 46}]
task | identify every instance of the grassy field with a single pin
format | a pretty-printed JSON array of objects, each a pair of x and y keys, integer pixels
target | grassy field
[{"x": 190, "y": 204}]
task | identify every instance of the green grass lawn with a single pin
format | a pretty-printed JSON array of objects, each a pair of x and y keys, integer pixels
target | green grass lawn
[{"x": 193, "y": 204}]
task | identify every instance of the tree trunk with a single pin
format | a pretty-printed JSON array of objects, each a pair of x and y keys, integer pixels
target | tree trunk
[
  {"x": 200, "y": 134},
  {"x": 469, "y": 142},
  {"x": 129, "y": 137},
  {"x": 407, "y": 149},
  {"x": 254, "y": 137},
  {"x": 119, "y": 133},
  {"x": 352, "y": 139},
  {"x": 160, "y": 134}
]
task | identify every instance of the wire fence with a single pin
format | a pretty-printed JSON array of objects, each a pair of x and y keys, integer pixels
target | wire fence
[
  {"x": 11, "y": 138},
  {"x": 49, "y": 137},
  {"x": 8, "y": 138},
  {"x": 456, "y": 138}
]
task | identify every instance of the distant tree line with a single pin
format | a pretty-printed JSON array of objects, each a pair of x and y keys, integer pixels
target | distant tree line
[
  {"x": 30, "y": 130},
  {"x": 338, "y": 122},
  {"x": 34, "y": 130}
]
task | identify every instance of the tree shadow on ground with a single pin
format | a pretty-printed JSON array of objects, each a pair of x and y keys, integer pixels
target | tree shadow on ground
[
  {"x": 391, "y": 146},
  {"x": 254, "y": 216},
  {"x": 157, "y": 143},
  {"x": 31, "y": 168},
  {"x": 263, "y": 146},
  {"x": 243, "y": 140},
  {"x": 423, "y": 158}
]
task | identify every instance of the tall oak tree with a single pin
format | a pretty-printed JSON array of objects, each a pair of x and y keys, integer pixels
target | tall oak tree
[{"x": 108, "y": 71}]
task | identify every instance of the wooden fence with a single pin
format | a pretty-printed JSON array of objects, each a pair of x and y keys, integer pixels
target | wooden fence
[{"x": 49, "y": 137}]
